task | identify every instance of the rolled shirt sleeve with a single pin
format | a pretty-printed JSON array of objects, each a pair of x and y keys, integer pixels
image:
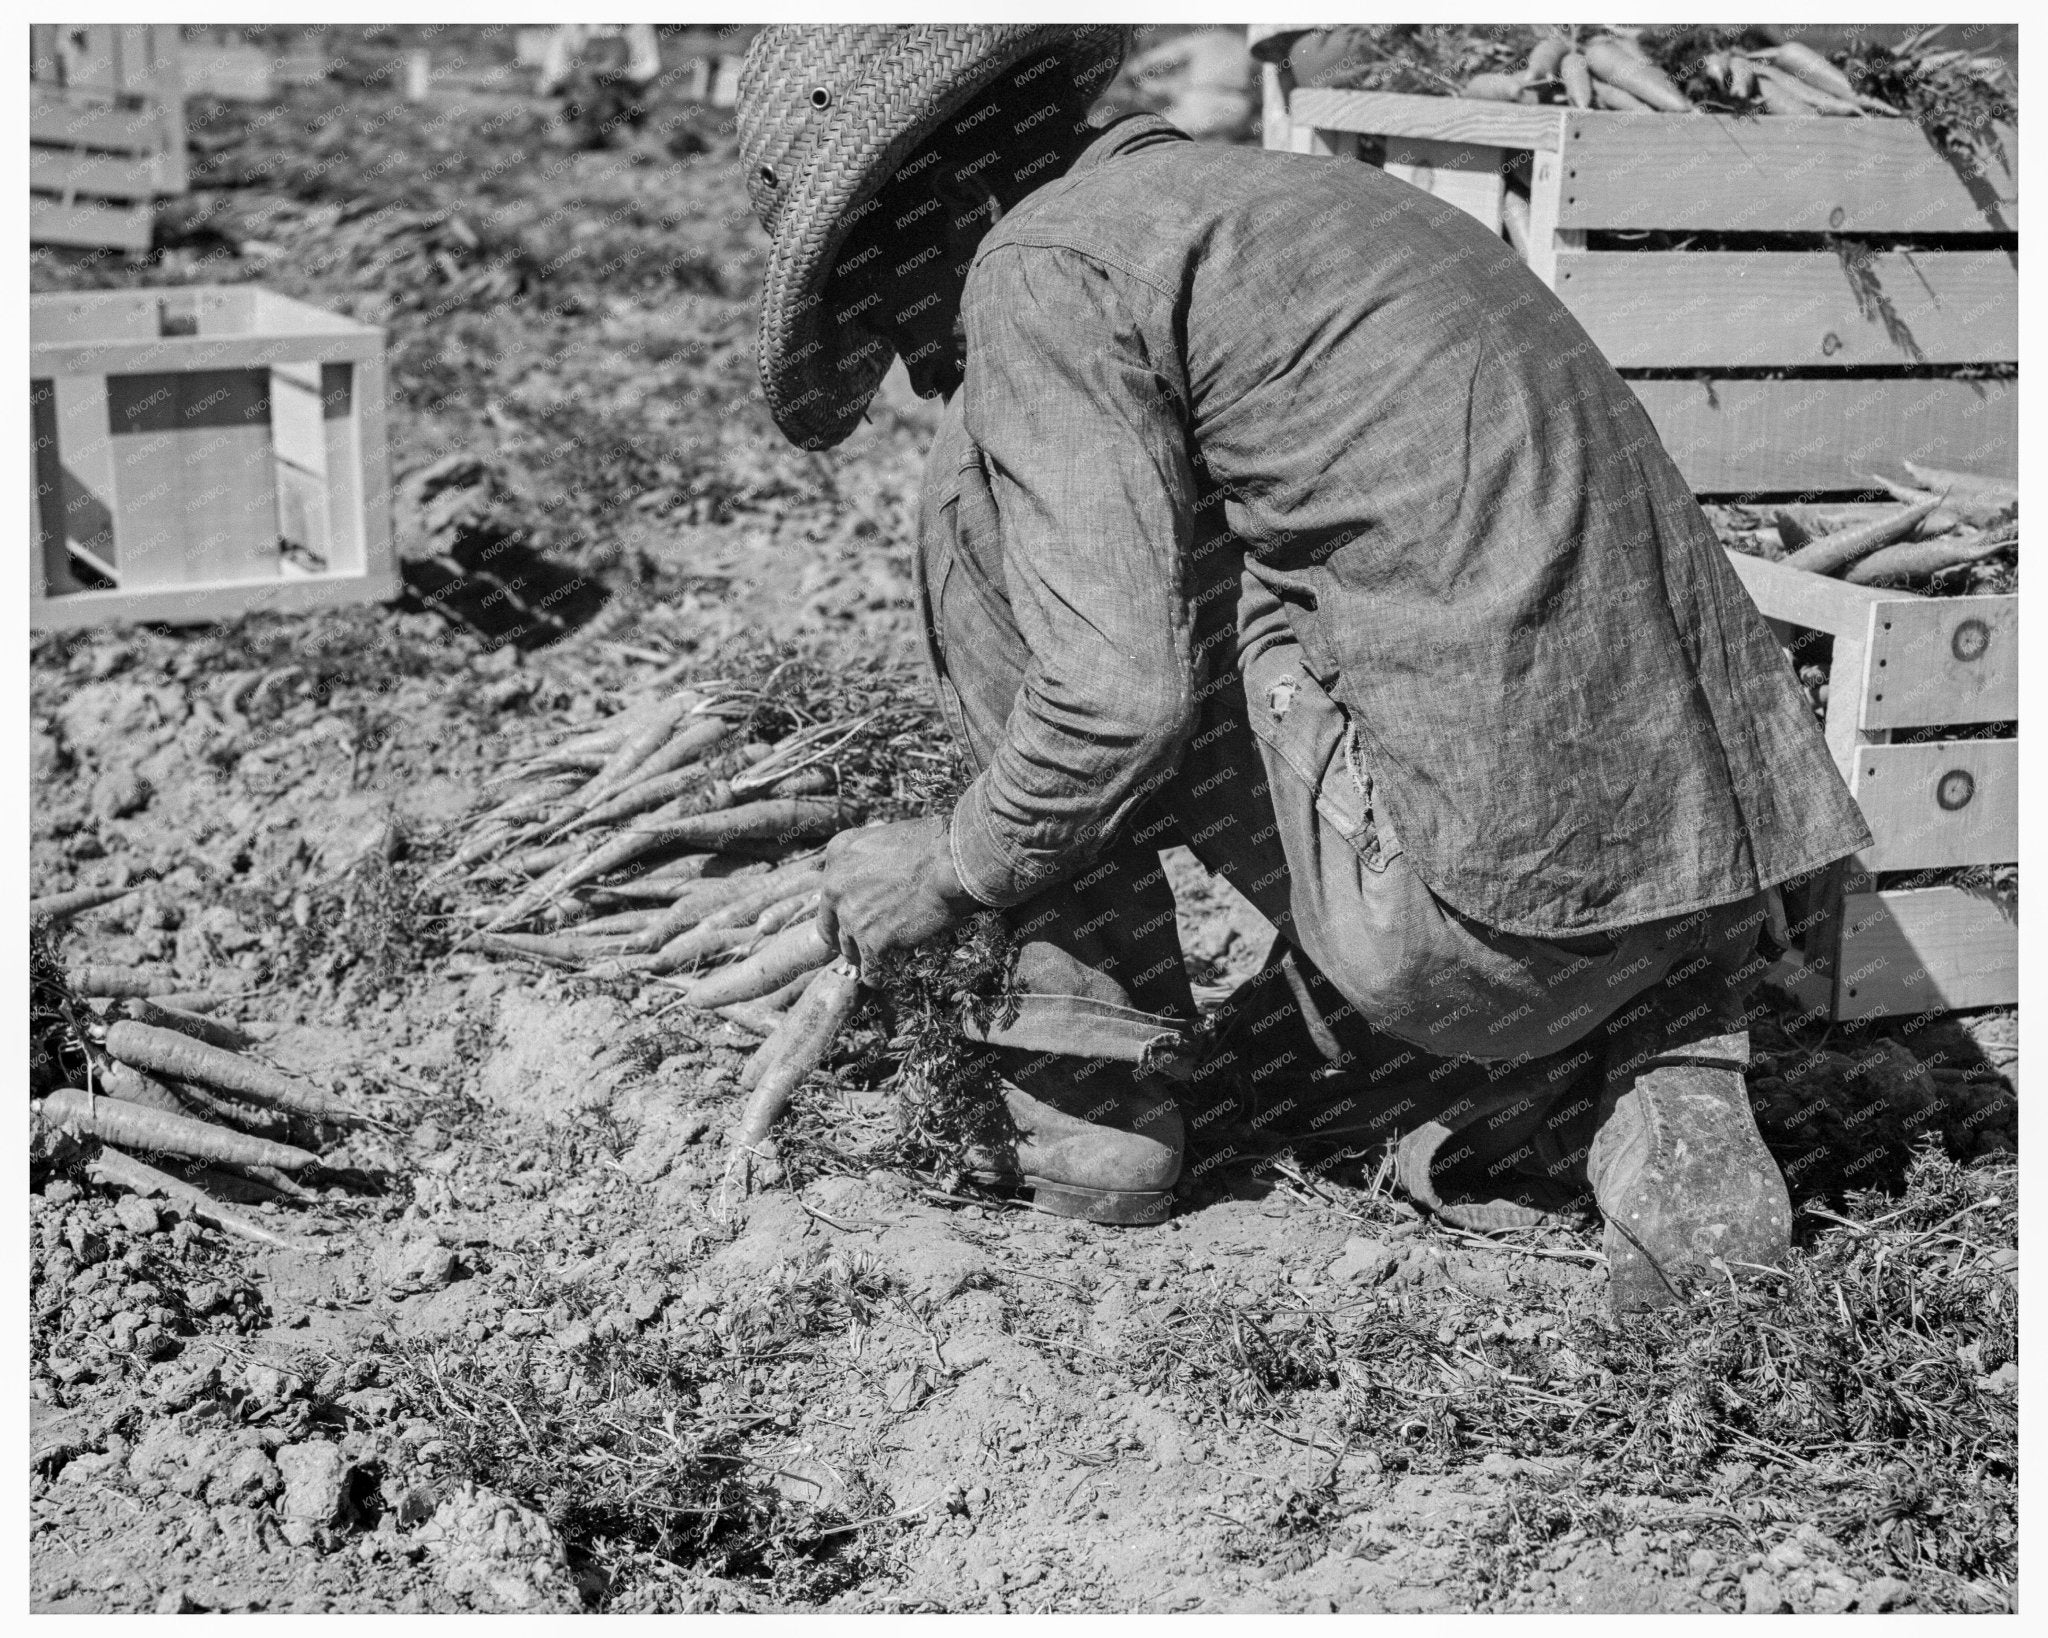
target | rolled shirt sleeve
[{"x": 1073, "y": 400}]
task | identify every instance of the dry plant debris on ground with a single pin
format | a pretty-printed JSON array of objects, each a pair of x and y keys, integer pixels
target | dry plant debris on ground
[{"x": 516, "y": 1357}]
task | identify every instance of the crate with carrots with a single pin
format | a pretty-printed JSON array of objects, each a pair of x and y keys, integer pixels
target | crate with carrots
[
  {"x": 1912, "y": 662},
  {"x": 1806, "y": 265}
]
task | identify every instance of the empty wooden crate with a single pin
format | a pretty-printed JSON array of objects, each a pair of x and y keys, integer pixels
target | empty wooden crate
[
  {"x": 199, "y": 452},
  {"x": 1911, "y": 682},
  {"x": 1795, "y": 301}
]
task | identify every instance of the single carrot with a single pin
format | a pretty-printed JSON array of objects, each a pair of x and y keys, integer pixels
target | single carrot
[
  {"x": 115, "y": 1120},
  {"x": 1544, "y": 57},
  {"x": 253, "y": 1118},
  {"x": 1792, "y": 86},
  {"x": 190, "y": 1000},
  {"x": 658, "y": 893},
  {"x": 1992, "y": 495},
  {"x": 102, "y": 983},
  {"x": 1625, "y": 70},
  {"x": 796, "y": 1048},
  {"x": 1492, "y": 88},
  {"x": 63, "y": 906},
  {"x": 1616, "y": 100},
  {"x": 625, "y": 921},
  {"x": 784, "y": 911},
  {"x": 1805, "y": 63},
  {"x": 555, "y": 952},
  {"x": 776, "y": 1016},
  {"x": 1832, "y": 553},
  {"x": 1913, "y": 559},
  {"x": 1577, "y": 78},
  {"x": 691, "y": 948},
  {"x": 132, "y": 1086},
  {"x": 196, "y": 1025},
  {"x": 778, "y": 819},
  {"x": 120, "y": 1170},
  {"x": 180, "y": 1058},
  {"x": 796, "y": 949}
]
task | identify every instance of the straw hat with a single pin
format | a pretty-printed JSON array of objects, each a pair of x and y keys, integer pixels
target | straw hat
[{"x": 826, "y": 115}]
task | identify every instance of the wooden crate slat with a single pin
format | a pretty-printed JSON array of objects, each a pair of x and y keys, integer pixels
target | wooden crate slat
[
  {"x": 102, "y": 176},
  {"x": 1459, "y": 173},
  {"x": 1706, "y": 309},
  {"x": 1774, "y": 175},
  {"x": 1947, "y": 802},
  {"x": 1924, "y": 949},
  {"x": 202, "y": 353},
  {"x": 53, "y": 119},
  {"x": 1741, "y": 436},
  {"x": 97, "y": 226},
  {"x": 1940, "y": 660},
  {"x": 89, "y": 500},
  {"x": 200, "y": 605},
  {"x": 1801, "y": 598},
  {"x": 1434, "y": 119}
]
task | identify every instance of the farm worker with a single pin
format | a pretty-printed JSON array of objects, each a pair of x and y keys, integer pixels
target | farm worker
[{"x": 1279, "y": 512}]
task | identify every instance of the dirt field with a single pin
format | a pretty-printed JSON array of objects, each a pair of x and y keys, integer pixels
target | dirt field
[{"x": 521, "y": 1360}]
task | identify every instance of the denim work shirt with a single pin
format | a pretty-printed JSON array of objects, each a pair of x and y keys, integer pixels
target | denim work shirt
[{"x": 1572, "y": 714}]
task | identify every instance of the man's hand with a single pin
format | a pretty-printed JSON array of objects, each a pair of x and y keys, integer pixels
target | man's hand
[{"x": 889, "y": 887}]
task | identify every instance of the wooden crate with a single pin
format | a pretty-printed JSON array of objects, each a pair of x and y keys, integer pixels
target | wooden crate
[
  {"x": 1904, "y": 668},
  {"x": 1846, "y": 321},
  {"x": 106, "y": 132},
  {"x": 201, "y": 451}
]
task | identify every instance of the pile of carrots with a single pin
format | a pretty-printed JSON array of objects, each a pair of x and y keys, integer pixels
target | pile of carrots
[
  {"x": 1948, "y": 521},
  {"x": 673, "y": 846},
  {"x": 143, "y": 1066},
  {"x": 1612, "y": 70}
]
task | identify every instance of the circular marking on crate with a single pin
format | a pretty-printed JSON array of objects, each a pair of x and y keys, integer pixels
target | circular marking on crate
[
  {"x": 1955, "y": 790},
  {"x": 1969, "y": 640},
  {"x": 1830, "y": 344},
  {"x": 1837, "y": 217}
]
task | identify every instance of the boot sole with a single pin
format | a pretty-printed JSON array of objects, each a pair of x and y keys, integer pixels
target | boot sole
[
  {"x": 1745, "y": 1223},
  {"x": 1133, "y": 1207}
]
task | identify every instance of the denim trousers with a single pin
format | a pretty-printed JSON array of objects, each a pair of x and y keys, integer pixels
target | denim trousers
[{"x": 1384, "y": 1007}]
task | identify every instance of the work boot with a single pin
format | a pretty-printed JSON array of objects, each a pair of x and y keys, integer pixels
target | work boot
[
  {"x": 1679, "y": 1169},
  {"x": 1118, "y": 1164}
]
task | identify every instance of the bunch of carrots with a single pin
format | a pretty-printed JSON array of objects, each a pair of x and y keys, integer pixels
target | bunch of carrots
[
  {"x": 674, "y": 846},
  {"x": 134, "y": 1061},
  {"x": 1948, "y": 520},
  {"x": 1617, "y": 71}
]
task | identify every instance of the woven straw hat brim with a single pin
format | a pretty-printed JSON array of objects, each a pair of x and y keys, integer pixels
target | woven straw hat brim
[{"x": 820, "y": 368}]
